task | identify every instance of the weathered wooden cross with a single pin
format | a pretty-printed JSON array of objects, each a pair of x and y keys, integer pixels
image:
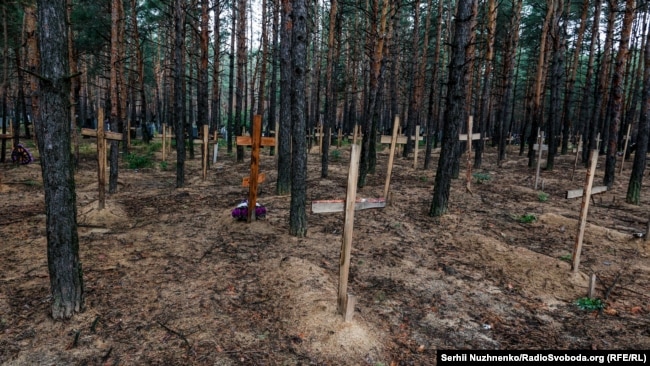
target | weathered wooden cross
[
  {"x": 205, "y": 144},
  {"x": 469, "y": 137},
  {"x": 255, "y": 141},
  {"x": 101, "y": 136},
  {"x": 627, "y": 140},
  {"x": 403, "y": 140},
  {"x": 589, "y": 181},
  {"x": 539, "y": 146},
  {"x": 345, "y": 301}
]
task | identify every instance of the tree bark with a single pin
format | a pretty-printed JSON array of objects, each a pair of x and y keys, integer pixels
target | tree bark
[
  {"x": 617, "y": 93},
  {"x": 297, "y": 211},
  {"x": 177, "y": 119},
  {"x": 633, "y": 194},
  {"x": 66, "y": 279},
  {"x": 455, "y": 104},
  {"x": 283, "y": 185},
  {"x": 241, "y": 65}
]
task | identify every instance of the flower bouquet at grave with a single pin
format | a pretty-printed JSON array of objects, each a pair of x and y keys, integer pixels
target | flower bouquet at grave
[
  {"x": 20, "y": 155},
  {"x": 241, "y": 211}
]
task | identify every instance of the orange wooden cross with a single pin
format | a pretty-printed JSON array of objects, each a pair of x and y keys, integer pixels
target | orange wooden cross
[{"x": 255, "y": 141}]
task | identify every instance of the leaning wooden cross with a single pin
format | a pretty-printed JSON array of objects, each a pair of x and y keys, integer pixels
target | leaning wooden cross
[
  {"x": 101, "y": 136},
  {"x": 255, "y": 141},
  {"x": 589, "y": 181},
  {"x": 466, "y": 137},
  {"x": 403, "y": 140},
  {"x": 627, "y": 140},
  {"x": 345, "y": 301}
]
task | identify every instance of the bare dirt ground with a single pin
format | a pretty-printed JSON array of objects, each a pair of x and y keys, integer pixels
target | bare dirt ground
[{"x": 171, "y": 278}]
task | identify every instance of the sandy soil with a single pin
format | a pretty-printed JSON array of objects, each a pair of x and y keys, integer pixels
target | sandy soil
[{"x": 171, "y": 278}]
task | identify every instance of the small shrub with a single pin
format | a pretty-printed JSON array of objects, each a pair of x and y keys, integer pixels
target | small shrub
[
  {"x": 336, "y": 155},
  {"x": 136, "y": 161},
  {"x": 527, "y": 218},
  {"x": 481, "y": 177},
  {"x": 589, "y": 304},
  {"x": 163, "y": 165},
  {"x": 153, "y": 147},
  {"x": 542, "y": 196},
  {"x": 566, "y": 258}
]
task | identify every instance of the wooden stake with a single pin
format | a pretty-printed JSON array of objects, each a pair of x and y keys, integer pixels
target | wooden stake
[
  {"x": 540, "y": 143},
  {"x": 255, "y": 164},
  {"x": 417, "y": 143},
  {"x": 345, "y": 302},
  {"x": 391, "y": 157},
  {"x": 340, "y": 137},
  {"x": 592, "y": 286},
  {"x": 589, "y": 181},
  {"x": 204, "y": 160},
  {"x": 575, "y": 163},
  {"x": 101, "y": 159},
  {"x": 164, "y": 142},
  {"x": 627, "y": 139}
]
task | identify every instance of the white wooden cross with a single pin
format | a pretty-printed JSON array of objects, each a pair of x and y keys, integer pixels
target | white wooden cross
[{"x": 536, "y": 147}]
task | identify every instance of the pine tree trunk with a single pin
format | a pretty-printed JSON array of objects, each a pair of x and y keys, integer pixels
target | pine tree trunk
[
  {"x": 241, "y": 65},
  {"x": 617, "y": 97},
  {"x": 432, "y": 131},
  {"x": 297, "y": 211},
  {"x": 486, "y": 97},
  {"x": 455, "y": 105},
  {"x": 557, "y": 81},
  {"x": 283, "y": 185},
  {"x": 231, "y": 81},
  {"x": 584, "y": 126},
  {"x": 66, "y": 278},
  {"x": 633, "y": 194},
  {"x": 177, "y": 119}
]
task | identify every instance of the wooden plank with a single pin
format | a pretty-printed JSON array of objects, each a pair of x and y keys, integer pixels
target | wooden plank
[
  {"x": 589, "y": 181},
  {"x": 536, "y": 147},
  {"x": 328, "y": 206},
  {"x": 108, "y": 135},
  {"x": 575, "y": 193},
  {"x": 261, "y": 177},
  {"x": 627, "y": 139},
  {"x": 463, "y": 136},
  {"x": 346, "y": 245},
  {"x": 247, "y": 141},
  {"x": 400, "y": 140}
]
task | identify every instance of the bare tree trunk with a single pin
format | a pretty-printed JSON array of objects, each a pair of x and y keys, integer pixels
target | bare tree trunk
[
  {"x": 456, "y": 113},
  {"x": 241, "y": 65},
  {"x": 179, "y": 49},
  {"x": 297, "y": 211},
  {"x": 231, "y": 79},
  {"x": 536, "y": 114},
  {"x": 330, "y": 101},
  {"x": 216, "y": 66},
  {"x": 283, "y": 185},
  {"x": 584, "y": 126},
  {"x": 633, "y": 194},
  {"x": 432, "y": 131},
  {"x": 486, "y": 96},
  {"x": 66, "y": 279},
  {"x": 617, "y": 95},
  {"x": 557, "y": 80}
]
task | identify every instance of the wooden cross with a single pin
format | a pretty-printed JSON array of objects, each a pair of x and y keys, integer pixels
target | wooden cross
[
  {"x": 9, "y": 135},
  {"x": 255, "y": 141},
  {"x": 589, "y": 181},
  {"x": 466, "y": 137},
  {"x": 536, "y": 147},
  {"x": 627, "y": 139},
  {"x": 403, "y": 140},
  {"x": 345, "y": 301},
  {"x": 101, "y": 136},
  {"x": 205, "y": 144}
]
